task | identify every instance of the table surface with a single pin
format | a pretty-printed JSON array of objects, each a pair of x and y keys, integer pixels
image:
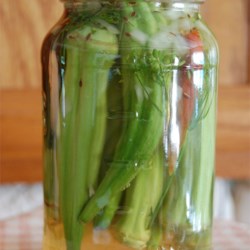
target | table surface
[{"x": 25, "y": 233}]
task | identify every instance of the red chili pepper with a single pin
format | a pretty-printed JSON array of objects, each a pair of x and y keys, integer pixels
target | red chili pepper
[
  {"x": 187, "y": 102},
  {"x": 194, "y": 40},
  {"x": 186, "y": 79}
]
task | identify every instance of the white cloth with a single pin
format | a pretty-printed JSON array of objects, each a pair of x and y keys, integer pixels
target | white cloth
[
  {"x": 241, "y": 194},
  {"x": 19, "y": 198},
  {"x": 224, "y": 207}
]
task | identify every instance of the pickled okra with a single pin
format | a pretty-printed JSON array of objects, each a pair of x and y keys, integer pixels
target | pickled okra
[
  {"x": 130, "y": 128},
  {"x": 83, "y": 124},
  {"x": 142, "y": 134}
]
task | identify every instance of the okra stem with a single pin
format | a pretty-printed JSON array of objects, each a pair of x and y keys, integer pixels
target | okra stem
[{"x": 133, "y": 225}]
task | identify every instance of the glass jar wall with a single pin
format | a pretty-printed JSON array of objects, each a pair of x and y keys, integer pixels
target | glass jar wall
[{"x": 129, "y": 91}]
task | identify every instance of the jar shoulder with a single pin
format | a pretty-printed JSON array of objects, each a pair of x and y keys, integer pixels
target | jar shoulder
[
  {"x": 181, "y": 33},
  {"x": 211, "y": 47},
  {"x": 53, "y": 36}
]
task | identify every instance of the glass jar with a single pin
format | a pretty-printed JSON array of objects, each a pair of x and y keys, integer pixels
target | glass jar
[{"x": 129, "y": 92}]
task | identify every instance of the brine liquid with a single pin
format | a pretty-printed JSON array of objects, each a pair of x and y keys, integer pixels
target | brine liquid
[
  {"x": 186, "y": 221},
  {"x": 99, "y": 239}
]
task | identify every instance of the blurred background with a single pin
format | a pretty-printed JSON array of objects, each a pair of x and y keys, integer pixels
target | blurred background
[{"x": 24, "y": 24}]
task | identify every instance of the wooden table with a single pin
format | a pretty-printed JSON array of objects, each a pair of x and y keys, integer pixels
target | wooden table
[{"x": 21, "y": 134}]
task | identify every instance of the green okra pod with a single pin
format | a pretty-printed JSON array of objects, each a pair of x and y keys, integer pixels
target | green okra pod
[
  {"x": 65, "y": 146},
  {"x": 145, "y": 103},
  {"x": 104, "y": 219},
  {"x": 78, "y": 129}
]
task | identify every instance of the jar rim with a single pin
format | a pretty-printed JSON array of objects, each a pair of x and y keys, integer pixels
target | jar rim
[{"x": 169, "y": 1}]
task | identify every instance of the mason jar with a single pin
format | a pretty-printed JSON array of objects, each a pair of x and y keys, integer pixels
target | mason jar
[{"x": 129, "y": 95}]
